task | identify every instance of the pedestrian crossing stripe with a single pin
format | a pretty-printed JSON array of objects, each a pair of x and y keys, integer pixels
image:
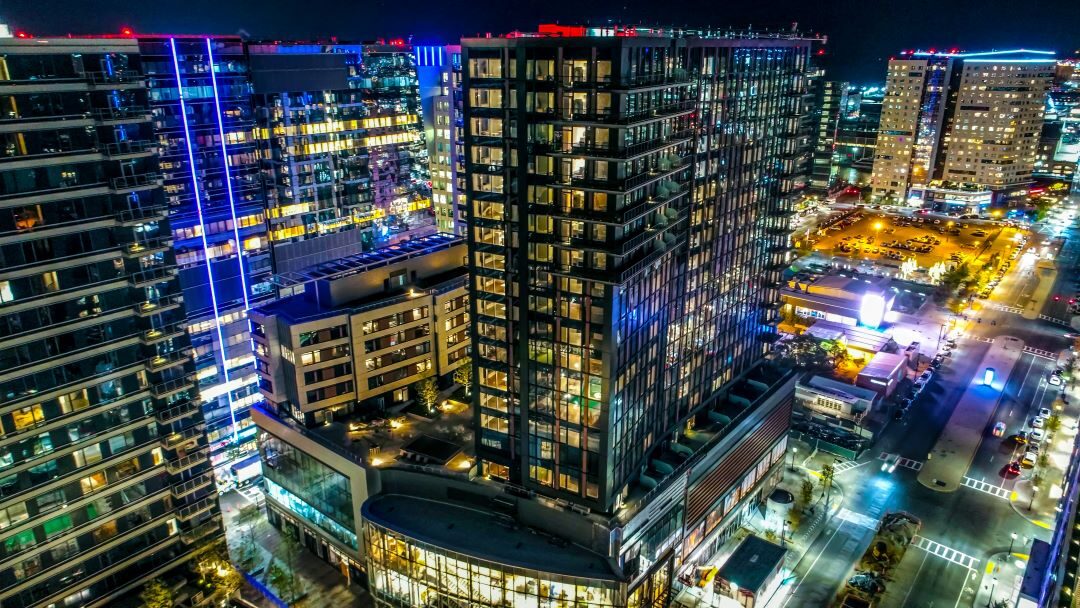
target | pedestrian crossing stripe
[
  {"x": 1038, "y": 352},
  {"x": 846, "y": 466},
  {"x": 948, "y": 554},
  {"x": 858, "y": 519},
  {"x": 907, "y": 463},
  {"x": 988, "y": 488},
  {"x": 1004, "y": 308}
]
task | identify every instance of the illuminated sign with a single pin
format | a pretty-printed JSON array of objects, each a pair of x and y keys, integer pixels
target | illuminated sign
[{"x": 872, "y": 310}]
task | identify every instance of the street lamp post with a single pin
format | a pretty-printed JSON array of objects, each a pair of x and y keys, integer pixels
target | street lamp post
[
  {"x": 1034, "y": 489},
  {"x": 794, "y": 451},
  {"x": 993, "y": 588},
  {"x": 1012, "y": 539}
]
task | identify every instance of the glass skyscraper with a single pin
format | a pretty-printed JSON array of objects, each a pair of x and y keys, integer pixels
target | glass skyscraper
[
  {"x": 105, "y": 478},
  {"x": 213, "y": 190}
]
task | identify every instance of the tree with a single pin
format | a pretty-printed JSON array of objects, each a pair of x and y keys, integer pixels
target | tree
[
  {"x": 427, "y": 392},
  {"x": 281, "y": 581},
  {"x": 217, "y": 573},
  {"x": 806, "y": 492},
  {"x": 1043, "y": 461},
  {"x": 805, "y": 352},
  {"x": 1053, "y": 424},
  {"x": 828, "y": 474},
  {"x": 290, "y": 550},
  {"x": 463, "y": 376},
  {"x": 156, "y": 594},
  {"x": 249, "y": 517},
  {"x": 1001, "y": 604}
]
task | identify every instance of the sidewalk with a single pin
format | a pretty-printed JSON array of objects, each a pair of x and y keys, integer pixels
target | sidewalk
[
  {"x": 1001, "y": 579},
  {"x": 322, "y": 584},
  {"x": 808, "y": 528}
]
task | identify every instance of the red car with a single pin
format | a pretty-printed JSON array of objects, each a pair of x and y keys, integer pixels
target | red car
[{"x": 1011, "y": 470}]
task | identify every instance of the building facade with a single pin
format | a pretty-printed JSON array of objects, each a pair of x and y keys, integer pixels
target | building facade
[
  {"x": 105, "y": 477},
  {"x": 439, "y": 70},
  {"x": 630, "y": 199},
  {"x": 213, "y": 188},
  {"x": 960, "y": 122},
  {"x": 342, "y": 149},
  {"x": 832, "y": 100}
]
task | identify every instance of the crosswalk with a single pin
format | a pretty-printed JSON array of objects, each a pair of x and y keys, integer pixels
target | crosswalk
[
  {"x": 1038, "y": 352},
  {"x": 858, "y": 519},
  {"x": 1055, "y": 320},
  {"x": 980, "y": 339},
  {"x": 847, "y": 465},
  {"x": 988, "y": 488},
  {"x": 1004, "y": 308},
  {"x": 946, "y": 553},
  {"x": 907, "y": 463}
]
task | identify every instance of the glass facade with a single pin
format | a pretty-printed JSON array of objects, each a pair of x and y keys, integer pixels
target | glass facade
[
  {"x": 104, "y": 475},
  {"x": 407, "y": 572},
  {"x": 216, "y": 213},
  {"x": 629, "y": 203},
  {"x": 344, "y": 157},
  {"x": 309, "y": 488}
]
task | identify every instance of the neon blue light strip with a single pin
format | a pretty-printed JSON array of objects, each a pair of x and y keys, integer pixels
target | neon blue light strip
[
  {"x": 202, "y": 228},
  {"x": 228, "y": 176},
  {"x": 1042, "y": 61}
]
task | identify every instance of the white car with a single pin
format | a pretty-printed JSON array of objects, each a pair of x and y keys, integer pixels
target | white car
[
  {"x": 1037, "y": 435},
  {"x": 1044, "y": 412},
  {"x": 890, "y": 463},
  {"x": 1038, "y": 422},
  {"x": 1055, "y": 380}
]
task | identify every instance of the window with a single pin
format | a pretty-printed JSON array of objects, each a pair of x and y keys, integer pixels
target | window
[
  {"x": 12, "y": 515},
  {"x": 28, "y": 417},
  {"x": 57, "y": 525}
]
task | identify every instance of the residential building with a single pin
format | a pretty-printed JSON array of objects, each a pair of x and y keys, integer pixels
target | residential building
[
  {"x": 960, "y": 128},
  {"x": 831, "y": 99},
  {"x": 439, "y": 71},
  {"x": 213, "y": 189},
  {"x": 105, "y": 477},
  {"x": 1059, "y": 142},
  {"x": 342, "y": 149},
  {"x": 856, "y": 136}
]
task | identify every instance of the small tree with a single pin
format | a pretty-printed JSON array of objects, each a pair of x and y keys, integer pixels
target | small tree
[
  {"x": 1043, "y": 462},
  {"x": 1053, "y": 424},
  {"x": 217, "y": 572},
  {"x": 290, "y": 551},
  {"x": 828, "y": 474},
  {"x": 463, "y": 376},
  {"x": 156, "y": 594},
  {"x": 249, "y": 517},
  {"x": 806, "y": 492},
  {"x": 280, "y": 580},
  {"x": 427, "y": 392}
]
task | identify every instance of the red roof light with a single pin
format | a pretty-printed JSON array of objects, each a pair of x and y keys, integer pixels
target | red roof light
[
  {"x": 22, "y": 34},
  {"x": 126, "y": 31}
]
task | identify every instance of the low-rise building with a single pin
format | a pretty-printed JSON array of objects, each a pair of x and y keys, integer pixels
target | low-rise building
[
  {"x": 834, "y": 399},
  {"x": 365, "y": 330},
  {"x": 842, "y": 300},
  {"x": 883, "y": 373}
]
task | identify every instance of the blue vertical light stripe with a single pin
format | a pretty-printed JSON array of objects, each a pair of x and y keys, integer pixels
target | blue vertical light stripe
[
  {"x": 228, "y": 175},
  {"x": 202, "y": 227}
]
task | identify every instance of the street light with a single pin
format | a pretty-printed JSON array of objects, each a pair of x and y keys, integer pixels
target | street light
[
  {"x": 1012, "y": 539},
  {"x": 794, "y": 450},
  {"x": 1034, "y": 489},
  {"x": 992, "y": 590}
]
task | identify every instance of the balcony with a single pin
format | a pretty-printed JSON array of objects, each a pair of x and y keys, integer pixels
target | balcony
[
  {"x": 191, "y": 511},
  {"x": 122, "y": 115},
  {"x": 129, "y": 148},
  {"x": 164, "y": 389},
  {"x": 179, "y": 465},
  {"x": 158, "y": 305},
  {"x": 151, "y": 276},
  {"x": 107, "y": 79},
  {"x": 161, "y": 363},
  {"x": 160, "y": 334},
  {"x": 192, "y": 485},
  {"x": 175, "y": 440},
  {"x": 147, "y": 247},
  {"x": 142, "y": 215},
  {"x": 201, "y": 531},
  {"x": 133, "y": 183}
]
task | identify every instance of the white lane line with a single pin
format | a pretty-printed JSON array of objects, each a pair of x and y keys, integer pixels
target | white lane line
[
  {"x": 987, "y": 488},
  {"x": 795, "y": 590},
  {"x": 947, "y": 553}
]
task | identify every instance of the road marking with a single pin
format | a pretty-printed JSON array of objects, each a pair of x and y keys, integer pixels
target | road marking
[
  {"x": 946, "y": 553},
  {"x": 253, "y": 494},
  {"x": 1055, "y": 320},
  {"x": 1003, "y": 308},
  {"x": 814, "y": 563},
  {"x": 847, "y": 466},
  {"x": 987, "y": 488},
  {"x": 907, "y": 463},
  {"x": 980, "y": 339},
  {"x": 858, "y": 519},
  {"x": 1038, "y": 352}
]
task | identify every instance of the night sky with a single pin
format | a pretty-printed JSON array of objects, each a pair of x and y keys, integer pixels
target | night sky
[{"x": 862, "y": 33}]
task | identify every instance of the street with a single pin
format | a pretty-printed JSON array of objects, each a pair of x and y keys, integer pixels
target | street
[{"x": 963, "y": 529}]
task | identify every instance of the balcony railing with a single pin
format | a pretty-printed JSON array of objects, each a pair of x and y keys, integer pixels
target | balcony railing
[
  {"x": 164, "y": 389},
  {"x": 190, "y": 511},
  {"x": 129, "y": 147},
  {"x": 180, "y": 465},
  {"x": 202, "y": 530},
  {"x": 127, "y": 183}
]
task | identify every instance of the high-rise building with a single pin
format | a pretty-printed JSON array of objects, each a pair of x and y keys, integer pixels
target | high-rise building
[
  {"x": 213, "y": 188},
  {"x": 831, "y": 100},
  {"x": 960, "y": 128},
  {"x": 1059, "y": 143},
  {"x": 439, "y": 70},
  {"x": 105, "y": 478},
  {"x": 342, "y": 149}
]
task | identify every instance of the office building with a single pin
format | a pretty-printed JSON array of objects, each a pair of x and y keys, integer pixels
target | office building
[
  {"x": 213, "y": 189},
  {"x": 342, "y": 149},
  {"x": 856, "y": 136},
  {"x": 439, "y": 71},
  {"x": 1059, "y": 142},
  {"x": 105, "y": 478},
  {"x": 831, "y": 100},
  {"x": 960, "y": 128}
]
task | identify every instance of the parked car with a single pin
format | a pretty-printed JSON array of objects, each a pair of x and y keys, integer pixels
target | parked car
[
  {"x": 1054, "y": 380},
  {"x": 1044, "y": 412},
  {"x": 1037, "y": 435},
  {"x": 1038, "y": 422},
  {"x": 999, "y": 429},
  {"x": 1028, "y": 461}
]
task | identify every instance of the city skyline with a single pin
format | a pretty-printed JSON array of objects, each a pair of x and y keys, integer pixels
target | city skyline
[{"x": 863, "y": 36}]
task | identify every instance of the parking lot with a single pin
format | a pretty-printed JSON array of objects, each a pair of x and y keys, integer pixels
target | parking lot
[{"x": 891, "y": 239}]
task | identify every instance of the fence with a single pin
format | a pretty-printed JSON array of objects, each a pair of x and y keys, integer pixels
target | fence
[{"x": 825, "y": 446}]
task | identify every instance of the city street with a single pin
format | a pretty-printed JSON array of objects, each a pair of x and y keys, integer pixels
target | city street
[{"x": 964, "y": 527}]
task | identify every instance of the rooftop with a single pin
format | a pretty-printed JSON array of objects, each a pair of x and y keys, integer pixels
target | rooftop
[
  {"x": 362, "y": 262},
  {"x": 484, "y": 535},
  {"x": 442, "y": 443},
  {"x": 752, "y": 563}
]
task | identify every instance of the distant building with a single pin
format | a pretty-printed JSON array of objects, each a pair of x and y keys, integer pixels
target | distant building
[
  {"x": 832, "y": 99},
  {"x": 883, "y": 373},
  {"x": 960, "y": 128},
  {"x": 439, "y": 71},
  {"x": 834, "y": 399},
  {"x": 842, "y": 300},
  {"x": 342, "y": 149},
  {"x": 1059, "y": 142}
]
